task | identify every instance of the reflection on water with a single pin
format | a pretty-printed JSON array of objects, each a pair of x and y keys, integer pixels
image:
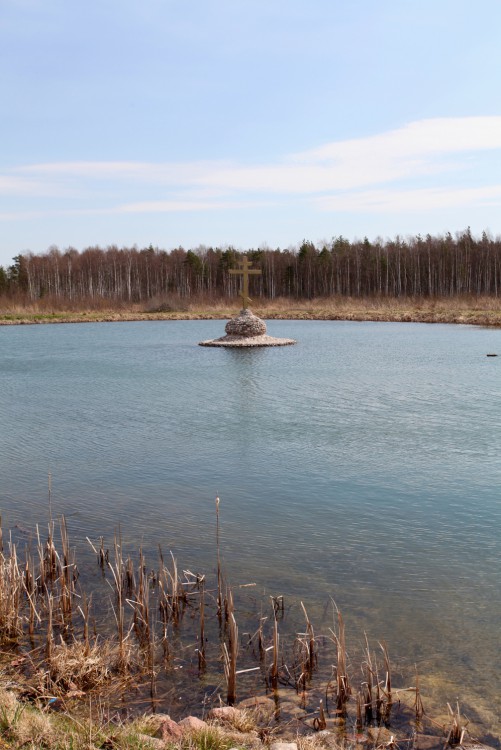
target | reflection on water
[{"x": 361, "y": 464}]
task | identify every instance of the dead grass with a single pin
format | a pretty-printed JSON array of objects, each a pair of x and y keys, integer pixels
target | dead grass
[
  {"x": 73, "y": 667},
  {"x": 471, "y": 310},
  {"x": 23, "y": 725}
]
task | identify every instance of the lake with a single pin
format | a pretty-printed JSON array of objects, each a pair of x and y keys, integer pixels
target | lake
[{"x": 361, "y": 464}]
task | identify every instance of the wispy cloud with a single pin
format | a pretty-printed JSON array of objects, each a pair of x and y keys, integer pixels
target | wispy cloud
[
  {"x": 170, "y": 206},
  {"x": 423, "y": 199},
  {"x": 15, "y": 184},
  {"x": 333, "y": 175}
]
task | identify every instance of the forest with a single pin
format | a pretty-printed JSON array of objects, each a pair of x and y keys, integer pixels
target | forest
[{"x": 439, "y": 266}]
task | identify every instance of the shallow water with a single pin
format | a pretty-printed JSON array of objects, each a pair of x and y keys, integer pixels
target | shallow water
[{"x": 361, "y": 464}]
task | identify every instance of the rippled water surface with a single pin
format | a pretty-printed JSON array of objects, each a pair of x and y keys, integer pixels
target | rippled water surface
[{"x": 362, "y": 464}]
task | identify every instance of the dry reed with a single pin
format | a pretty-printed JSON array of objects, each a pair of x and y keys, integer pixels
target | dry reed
[
  {"x": 274, "y": 664},
  {"x": 457, "y": 727},
  {"x": 230, "y": 651},
  {"x": 219, "y": 578},
  {"x": 41, "y": 599},
  {"x": 343, "y": 687}
]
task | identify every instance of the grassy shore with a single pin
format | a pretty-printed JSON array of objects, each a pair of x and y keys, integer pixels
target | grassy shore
[
  {"x": 483, "y": 311},
  {"x": 36, "y": 727}
]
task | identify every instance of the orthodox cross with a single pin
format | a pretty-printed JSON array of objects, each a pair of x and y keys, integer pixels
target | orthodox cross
[{"x": 245, "y": 269}]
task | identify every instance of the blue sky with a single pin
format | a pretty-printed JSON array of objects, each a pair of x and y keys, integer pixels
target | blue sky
[{"x": 246, "y": 123}]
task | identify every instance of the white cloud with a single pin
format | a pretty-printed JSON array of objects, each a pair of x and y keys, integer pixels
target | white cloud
[
  {"x": 424, "y": 199},
  {"x": 425, "y": 149},
  {"x": 17, "y": 185},
  {"x": 124, "y": 170},
  {"x": 170, "y": 206},
  {"x": 444, "y": 136}
]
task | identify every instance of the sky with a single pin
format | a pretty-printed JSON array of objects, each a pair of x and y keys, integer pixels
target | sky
[{"x": 251, "y": 124}]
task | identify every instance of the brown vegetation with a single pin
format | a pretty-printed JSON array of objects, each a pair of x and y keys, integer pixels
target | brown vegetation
[
  {"x": 483, "y": 311},
  {"x": 61, "y": 653}
]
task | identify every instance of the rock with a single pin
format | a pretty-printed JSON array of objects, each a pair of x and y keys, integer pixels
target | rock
[
  {"x": 283, "y": 746},
  {"x": 225, "y": 713},
  {"x": 169, "y": 730},
  {"x": 192, "y": 724},
  {"x": 245, "y": 324}
]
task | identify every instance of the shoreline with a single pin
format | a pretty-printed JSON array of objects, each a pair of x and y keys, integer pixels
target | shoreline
[{"x": 395, "y": 311}]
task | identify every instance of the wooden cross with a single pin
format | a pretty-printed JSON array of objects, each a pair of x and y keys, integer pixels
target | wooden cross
[{"x": 245, "y": 269}]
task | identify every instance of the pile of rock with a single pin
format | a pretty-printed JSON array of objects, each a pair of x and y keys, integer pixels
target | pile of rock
[
  {"x": 245, "y": 325},
  {"x": 246, "y": 330}
]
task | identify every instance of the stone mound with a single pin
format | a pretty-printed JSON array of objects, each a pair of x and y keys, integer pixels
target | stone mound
[
  {"x": 246, "y": 330},
  {"x": 246, "y": 324}
]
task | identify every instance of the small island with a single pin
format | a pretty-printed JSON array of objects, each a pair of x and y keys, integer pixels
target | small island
[{"x": 246, "y": 329}]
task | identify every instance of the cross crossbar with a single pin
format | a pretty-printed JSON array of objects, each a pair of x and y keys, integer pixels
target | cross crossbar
[{"x": 245, "y": 270}]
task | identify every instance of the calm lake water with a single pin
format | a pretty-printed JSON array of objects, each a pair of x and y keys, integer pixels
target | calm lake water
[{"x": 362, "y": 464}]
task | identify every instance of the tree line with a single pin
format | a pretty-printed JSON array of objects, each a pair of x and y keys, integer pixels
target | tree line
[{"x": 418, "y": 266}]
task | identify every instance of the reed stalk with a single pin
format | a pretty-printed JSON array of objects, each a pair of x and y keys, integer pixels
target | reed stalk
[
  {"x": 31, "y": 591},
  {"x": 274, "y": 664},
  {"x": 49, "y": 640},
  {"x": 368, "y": 685},
  {"x": 388, "y": 697},
  {"x": 130, "y": 578},
  {"x": 51, "y": 561},
  {"x": 320, "y": 723},
  {"x": 174, "y": 599},
  {"x": 278, "y": 605},
  {"x": 163, "y": 604},
  {"x": 201, "y": 637},
  {"x": 219, "y": 576},
  {"x": 359, "y": 721},
  {"x": 418, "y": 701},
  {"x": 310, "y": 637},
  {"x": 457, "y": 727},
  {"x": 140, "y": 603},
  {"x": 231, "y": 661},
  {"x": 66, "y": 577},
  {"x": 85, "y": 612},
  {"x": 343, "y": 688},
  {"x": 117, "y": 574},
  {"x": 260, "y": 640},
  {"x": 104, "y": 555}
]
